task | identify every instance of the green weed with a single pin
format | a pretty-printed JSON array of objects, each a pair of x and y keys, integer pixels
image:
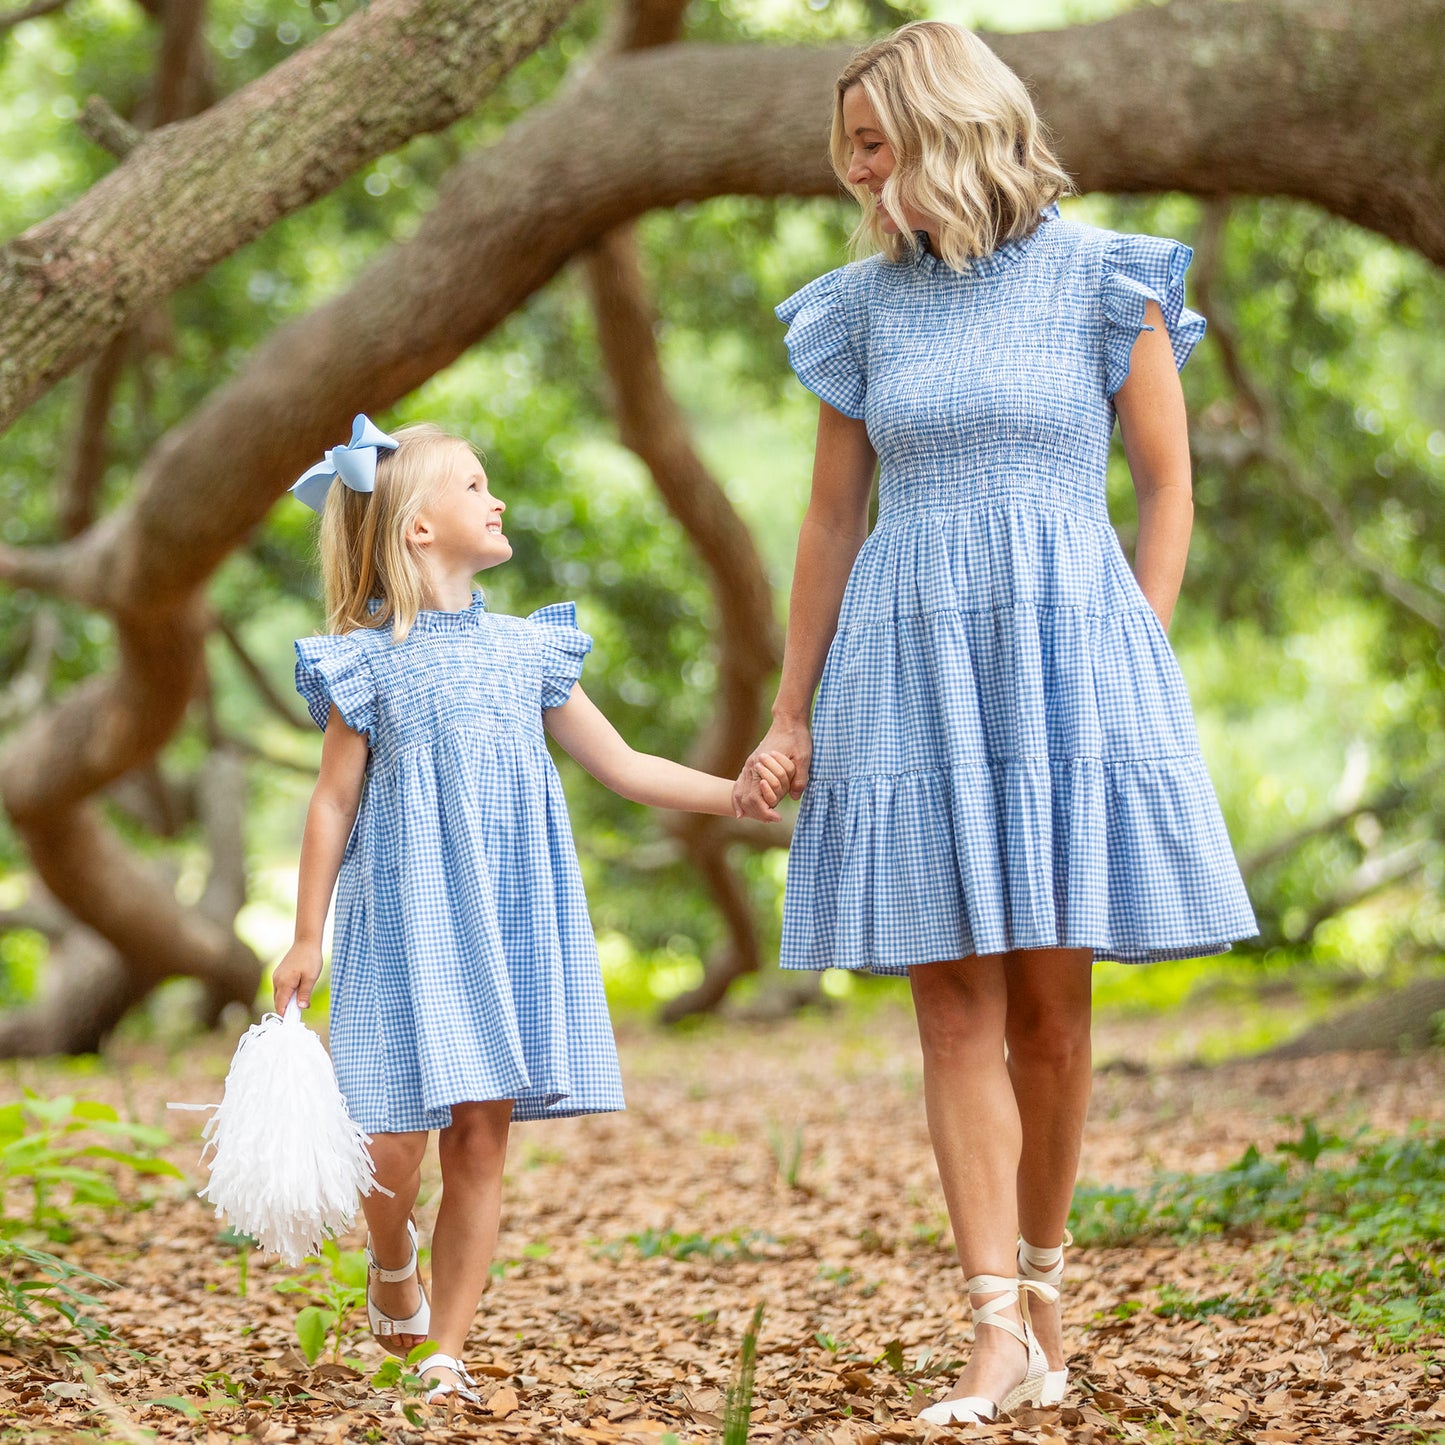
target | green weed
[
  {"x": 337, "y": 1286},
  {"x": 58, "y": 1156},
  {"x": 738, "y": 1411},
  {"x": 738, "y": 1244},
  {"x": 787, "y": 1149},
  {"x": 1352, "y": 1224}
]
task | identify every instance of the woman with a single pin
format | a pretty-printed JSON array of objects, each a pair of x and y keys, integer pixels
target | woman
[{"x": 1004, "y": 781}]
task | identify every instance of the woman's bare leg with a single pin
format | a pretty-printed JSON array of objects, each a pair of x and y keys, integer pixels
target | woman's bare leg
[
  {"x": 973, "y": 1121},
  {"x": 1050, "y": 1061}
]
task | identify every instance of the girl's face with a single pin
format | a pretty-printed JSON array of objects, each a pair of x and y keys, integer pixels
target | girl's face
[
  {"x": 873, "y": 159},
  {"x": 461, "y": 526}
]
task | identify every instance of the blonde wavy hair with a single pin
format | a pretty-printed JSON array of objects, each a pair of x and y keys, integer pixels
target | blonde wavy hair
[
  {"x": 969, "y": 149},
  {"x": 365, "y": 554}
]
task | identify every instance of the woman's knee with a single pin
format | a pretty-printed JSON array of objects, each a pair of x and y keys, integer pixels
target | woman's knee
[
  {"x": 1052, "y": 1035},
  {"x": 960, "y": 1006}
]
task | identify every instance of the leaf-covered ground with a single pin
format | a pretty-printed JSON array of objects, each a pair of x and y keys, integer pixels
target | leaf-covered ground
[{"x": 787, "y": 1166}]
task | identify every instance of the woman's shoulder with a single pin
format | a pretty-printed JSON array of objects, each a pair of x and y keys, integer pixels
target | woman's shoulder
[{"x": 836, "y": 290}]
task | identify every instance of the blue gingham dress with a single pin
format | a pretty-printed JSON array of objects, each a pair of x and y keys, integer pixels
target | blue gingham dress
[
  {"x": 1004, "y": 752},
  {"x": 463, "y": 964}
]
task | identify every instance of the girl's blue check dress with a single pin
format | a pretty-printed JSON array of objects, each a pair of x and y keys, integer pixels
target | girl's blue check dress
[
  {"x": 1004, "y": 753},
  {"x": 463, "y": 964}
]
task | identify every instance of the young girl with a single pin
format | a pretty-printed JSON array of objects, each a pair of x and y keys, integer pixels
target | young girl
[{"x": 465, "y": 986}]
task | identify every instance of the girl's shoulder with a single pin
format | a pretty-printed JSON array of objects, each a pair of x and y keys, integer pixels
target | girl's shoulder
[{"x": 551, "y": 635}]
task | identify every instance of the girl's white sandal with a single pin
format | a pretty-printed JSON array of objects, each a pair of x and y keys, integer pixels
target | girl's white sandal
[
  {"x": 1034, "y": 1264},
  {"x": 979, "y": 1409},
  {"x": 460, "y": 1387},
  {"x": 383, "y": 1327}
]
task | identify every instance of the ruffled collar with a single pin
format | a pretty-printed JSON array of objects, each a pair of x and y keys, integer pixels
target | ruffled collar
[
  {"x": 443, "y": 621},
  {"x": 1000, "y": 259}
]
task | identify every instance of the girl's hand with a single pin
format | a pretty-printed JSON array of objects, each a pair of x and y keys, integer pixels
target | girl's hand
[
  {"x": 296, "y": 976},
  {"x": 775, "y": 777},
  {"x": 790, "y": 744}
]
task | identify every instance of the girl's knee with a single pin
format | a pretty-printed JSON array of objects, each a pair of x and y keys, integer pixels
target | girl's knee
[
  {"x": 397, "y": 1154},
  {"x": 478, "y": 1131}
]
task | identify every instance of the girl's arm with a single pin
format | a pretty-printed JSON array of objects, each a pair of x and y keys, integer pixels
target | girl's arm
[
  {"x": 586, "y": 735},
  {"x": 834, "y": 528},
  {"x": 329, "y": 821},
  {"x": 1155, "y": 431}
]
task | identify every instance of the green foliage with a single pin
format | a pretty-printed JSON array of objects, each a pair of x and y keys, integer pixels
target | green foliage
[
  {"x": 336, "y": 1284},
  {"x": 32, "y": 1280},
  {"x": 54, "y": 1147},
  {"x": 737, "y": 1244},
  {"x": 395, "y": 1374},
  {"x": 1353, "y": 1225},
  {"x": 737, "y": 1412},
  {"x": 61, "y": 1155}
]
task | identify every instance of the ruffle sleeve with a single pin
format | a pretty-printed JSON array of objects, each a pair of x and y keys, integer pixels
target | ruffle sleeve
[
  {"x": 334, "y": 669},
  {"x": 1137, "y": 270},
  {"x": 821, "y": 345},
  {"x": 564, "y": 645}
]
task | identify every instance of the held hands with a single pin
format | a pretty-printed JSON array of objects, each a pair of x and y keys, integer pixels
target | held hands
[
  {"x": 778, "y": 766},
  {"x": 296, "y": 975},
  {"x": 773, "y": 774}
]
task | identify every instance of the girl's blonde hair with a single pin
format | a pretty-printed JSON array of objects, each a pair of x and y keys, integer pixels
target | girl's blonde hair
[
  {"x": 969, "y": 150},
  {"x": 365, "y": 554}
]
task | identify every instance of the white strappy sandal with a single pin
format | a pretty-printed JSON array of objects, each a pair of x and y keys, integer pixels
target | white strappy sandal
[
  {"x": 979, "y": 1409},
  {"x": 383, "y": 1327},
  {"x": 461, "y": 1387},
  {"x": 1046, "y": 1266}
]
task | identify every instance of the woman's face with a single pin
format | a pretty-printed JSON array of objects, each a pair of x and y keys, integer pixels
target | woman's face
[{"x": 873, "y": 160}]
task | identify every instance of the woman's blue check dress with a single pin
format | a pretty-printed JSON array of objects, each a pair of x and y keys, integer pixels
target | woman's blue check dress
[
  {"x": 1004, "y": 753},
  {"x": 463, "y": 964}
]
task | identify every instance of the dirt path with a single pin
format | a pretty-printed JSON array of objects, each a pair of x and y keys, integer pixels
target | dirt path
[{"x": 636, "y": 1246}]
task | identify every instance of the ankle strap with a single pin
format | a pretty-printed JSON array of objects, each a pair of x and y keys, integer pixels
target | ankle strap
[
  {"x": 440, "y": 1361},
  {"x": 395, "y": 1276},
  {"x": 1043, "y": 1262},
  {"x": 1005, "y": 1293}
]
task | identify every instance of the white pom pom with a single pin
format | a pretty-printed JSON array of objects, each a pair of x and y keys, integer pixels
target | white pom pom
[{"x": 286, "y": 1159}]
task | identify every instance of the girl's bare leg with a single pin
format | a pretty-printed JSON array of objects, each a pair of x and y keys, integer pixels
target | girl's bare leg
[
  {"x": 397, "y": 1158},
  {"x": 473, "y": 1150}
]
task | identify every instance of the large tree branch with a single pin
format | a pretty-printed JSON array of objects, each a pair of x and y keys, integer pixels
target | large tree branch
[
  {"x": 33, "y": 11},
  {"x": 190, "y": 194},
  {"x": 1324, "y": 101}
]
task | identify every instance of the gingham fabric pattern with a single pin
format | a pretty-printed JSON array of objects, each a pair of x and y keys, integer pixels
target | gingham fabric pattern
[
  {"x": 463, "y": 964},
  {"x": 1004, "y": 752}
]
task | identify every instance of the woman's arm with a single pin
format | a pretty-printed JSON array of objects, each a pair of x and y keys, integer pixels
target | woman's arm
[
  {"x": 329, "y": 821},
  {"x": 586, "y": 735},
  {"x": 834, "y": 528},
  {"x": 1155, "y": 432}
]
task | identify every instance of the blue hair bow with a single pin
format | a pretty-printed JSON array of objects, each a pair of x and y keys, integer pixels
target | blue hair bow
[{"x": 355, "y": 464}]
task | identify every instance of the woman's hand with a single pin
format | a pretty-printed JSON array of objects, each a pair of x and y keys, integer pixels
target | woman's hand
[
  {"x": 787, "y": 743},
  {"x": 296, "y": 976}
]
